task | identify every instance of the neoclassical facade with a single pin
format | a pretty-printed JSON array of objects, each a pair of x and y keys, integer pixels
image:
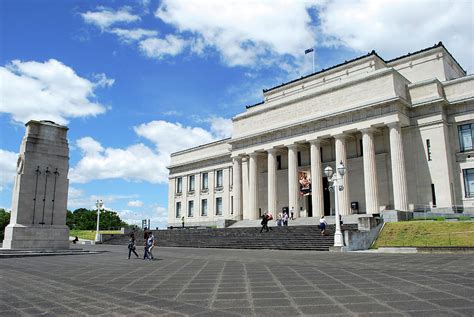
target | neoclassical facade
[{"x": 404, "y": 128}]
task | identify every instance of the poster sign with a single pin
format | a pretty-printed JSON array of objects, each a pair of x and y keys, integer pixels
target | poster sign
[{"x": 305, "y": 183}]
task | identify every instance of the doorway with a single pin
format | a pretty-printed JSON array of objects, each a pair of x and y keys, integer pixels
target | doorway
[
  {"x": 309, "y": 206},
  {"x": 327, "y": 197}
]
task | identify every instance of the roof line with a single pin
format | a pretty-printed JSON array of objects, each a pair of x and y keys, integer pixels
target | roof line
[
  {"x": 439, "y": 44},
  {"x": 324, "y": 70},
  {"x": 199, "y": 146},
  {"x": 256, "y": 104}
]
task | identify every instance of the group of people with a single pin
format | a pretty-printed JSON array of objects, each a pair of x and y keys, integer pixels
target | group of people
[{"x": 150, "y": 242}]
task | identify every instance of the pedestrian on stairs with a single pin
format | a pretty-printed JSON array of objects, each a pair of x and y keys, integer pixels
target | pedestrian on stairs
[
  {"x": 285, "y": 219},
  {"x": 322, "y": 225},
  {"x": 264, "y": 223}
]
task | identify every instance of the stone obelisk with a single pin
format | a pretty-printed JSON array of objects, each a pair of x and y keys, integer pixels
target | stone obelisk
[{"x": 38, "y": 217}]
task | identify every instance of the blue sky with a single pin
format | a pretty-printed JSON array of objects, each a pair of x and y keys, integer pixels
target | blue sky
[{"x": 137, "y": 80}]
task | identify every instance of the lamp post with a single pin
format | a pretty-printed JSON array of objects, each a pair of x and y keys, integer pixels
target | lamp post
[
  {"x": 99, "y": 204},
  {"x": 336, "y": 180}
]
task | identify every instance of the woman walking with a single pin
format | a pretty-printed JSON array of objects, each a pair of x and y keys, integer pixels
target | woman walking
[{"x": 131, "y": 246}]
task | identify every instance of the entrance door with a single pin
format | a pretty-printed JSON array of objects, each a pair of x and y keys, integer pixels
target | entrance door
[
  {"x": 309, "y": 206},
  {"x": 327, "y": 197}
]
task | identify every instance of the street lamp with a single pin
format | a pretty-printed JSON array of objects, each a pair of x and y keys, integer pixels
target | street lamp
[
  {"x": 99, "y": 204},
  {"x": 336, "y": 180}
]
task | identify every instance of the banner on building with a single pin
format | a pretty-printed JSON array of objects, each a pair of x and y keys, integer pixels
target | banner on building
[{"x": 305, "y": 183}]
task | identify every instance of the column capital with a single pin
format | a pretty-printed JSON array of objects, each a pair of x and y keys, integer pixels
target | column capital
[
  {"x": 319, "y": 141},
  {"x": 254, "y": 154},
  {"x": 396, "y": 124},
  {"x": 369, "y": 130},
  {"x": 272, "y": 150},
  {"x": 237, "y": 158},
  {"x": 341, "y": 136},
  {"x": 293, "y": 146}
]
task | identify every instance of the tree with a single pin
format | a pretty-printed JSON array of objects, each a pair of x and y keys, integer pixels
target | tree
[
  {"x": 4, "y": 221},
  {"x": 85, "y": 219}
]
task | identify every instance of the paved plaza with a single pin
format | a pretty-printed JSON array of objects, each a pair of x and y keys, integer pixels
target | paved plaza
[{"x": 208, "y": 282}]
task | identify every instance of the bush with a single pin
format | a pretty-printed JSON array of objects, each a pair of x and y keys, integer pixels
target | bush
[
  {"x": 464, "y": 218},
  {"x": 4, "y": 221},
  {"x": 439, "y": 219}
]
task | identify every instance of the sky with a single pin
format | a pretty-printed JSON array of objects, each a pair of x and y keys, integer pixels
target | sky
[{"x": 137, "y": 80}]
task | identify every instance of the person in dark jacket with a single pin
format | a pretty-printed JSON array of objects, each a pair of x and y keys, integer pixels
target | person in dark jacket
[
  {"x": 131, "y": 246},
  {"x": 264, "y": 223}
]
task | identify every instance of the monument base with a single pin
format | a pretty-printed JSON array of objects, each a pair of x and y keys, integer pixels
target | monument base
[{"x": 36, "y": 237}]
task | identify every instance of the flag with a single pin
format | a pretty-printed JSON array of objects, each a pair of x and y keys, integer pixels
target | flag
[{"x": 309, "y": 50}]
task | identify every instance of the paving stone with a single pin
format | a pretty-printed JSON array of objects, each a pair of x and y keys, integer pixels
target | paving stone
[
  {"x": 235, "y": 303},
  {"x": 453, "y": 302},
  {"x": 322, "y": 309},
  {"x": 366, "y": 308}
]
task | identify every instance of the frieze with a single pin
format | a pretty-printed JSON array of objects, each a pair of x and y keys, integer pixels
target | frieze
[
  {"x": 322, "y": 124},
  {"x": 200, "y": 164}
]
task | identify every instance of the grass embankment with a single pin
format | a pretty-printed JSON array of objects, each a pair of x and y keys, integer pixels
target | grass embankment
[
  {"x": 90, "y": 234},
  {"x": 426, "y": 233}
]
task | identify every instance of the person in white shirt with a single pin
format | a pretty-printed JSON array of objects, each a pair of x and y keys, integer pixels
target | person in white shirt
[{"x": 322, "y": 225}]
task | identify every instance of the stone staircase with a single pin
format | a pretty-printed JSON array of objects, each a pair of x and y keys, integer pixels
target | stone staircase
[{"x": 279, "y": 238}]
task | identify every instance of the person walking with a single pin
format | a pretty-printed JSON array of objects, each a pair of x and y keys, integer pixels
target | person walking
[
  {"x": 131, "y": 246},
  {"x": 151, "y": 245},
  {"x": 182, "y": 221},
  {"x": 264, "y": 223},
  {"x": 292, "y": 213},
  {"x": 322, "y": 225},
  {"x": 285, "y": 219}
]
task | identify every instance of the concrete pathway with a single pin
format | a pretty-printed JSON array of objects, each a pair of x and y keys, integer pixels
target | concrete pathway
[{"x": 209, "y": 282}]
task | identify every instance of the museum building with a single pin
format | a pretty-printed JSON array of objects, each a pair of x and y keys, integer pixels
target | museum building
[{"x": 404, "y": 129}]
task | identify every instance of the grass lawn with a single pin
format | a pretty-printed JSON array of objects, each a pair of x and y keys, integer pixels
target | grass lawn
[
  {"x": 90, "y": 234},
  {"x": 426, "y": 233}
]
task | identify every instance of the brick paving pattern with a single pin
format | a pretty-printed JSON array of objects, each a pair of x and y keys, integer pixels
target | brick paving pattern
[{"x": 210, "y": 282}]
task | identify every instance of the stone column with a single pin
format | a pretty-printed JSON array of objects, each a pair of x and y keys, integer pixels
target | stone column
[
  {"x": 293, "y": 188},
  {"x": 344, "y": 202},
  {"x": 272, "y": 181},
  {"x": 398, "y": 167},
  {"x": 370, "y": 173},
  {"x": 317, "y": 195},
  {"x": 253, "y": 186},
  {"x": 245, "y": 188},
  {"x": 237, "y": 186}
]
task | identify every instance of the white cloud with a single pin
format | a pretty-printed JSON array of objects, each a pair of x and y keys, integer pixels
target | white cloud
[
  {"x": 244, "y": 32},
  {"x": 158, "y": 48},
  {"x": 135, "y": 203},
  {"x": 48, "y": 91},
  {"x": 221, "y": 127},
  {"x": 394, "y": 28},
  {"x": 77, "y": 198},
  {"x": 139, "y": 162},
  {"x": 7, "y": 167},
  {"x": 105, "y": 17},
  {"x": 171, "y": 137},
  {"x": 134, "y": 163},
  {"x": 158, "y": 216},
  {"x": 128, "y": 36}
]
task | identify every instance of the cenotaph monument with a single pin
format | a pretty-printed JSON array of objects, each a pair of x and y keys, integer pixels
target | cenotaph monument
[{"x": 38, "y": 217}]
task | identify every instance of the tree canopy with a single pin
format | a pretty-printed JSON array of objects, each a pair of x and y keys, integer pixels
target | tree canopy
[
  {"x": 85, "y": 219},
  {"x": 4, "y": 221}
]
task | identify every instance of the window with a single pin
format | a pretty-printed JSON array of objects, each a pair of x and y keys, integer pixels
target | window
[
  {"x": 179, "y": 185},
  {"x": 433, "y": 195},
  {"x": 361, "y": 145},
  {"x": 321, "y": 153},
  {"x": 204, "y": 207},
  {"x": 190, "y": 208},
  {"x": 232, "y": 205},
  {"x": 191, "y": 183},
  {"x": 299, "y": 158},
  {"x": 205, "y": 181},
  {"x": 178, "y": 209},
  {"x": 219, "y": 206},
  {"x": 279, "y": 162},
  {"x": 465, "y": 137},
  {"x": 428, "y": 149},
  {"x": 219, "y": 179},
  {"x": 468, "y": 182},
  {"x": 231, "y": 177}
]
